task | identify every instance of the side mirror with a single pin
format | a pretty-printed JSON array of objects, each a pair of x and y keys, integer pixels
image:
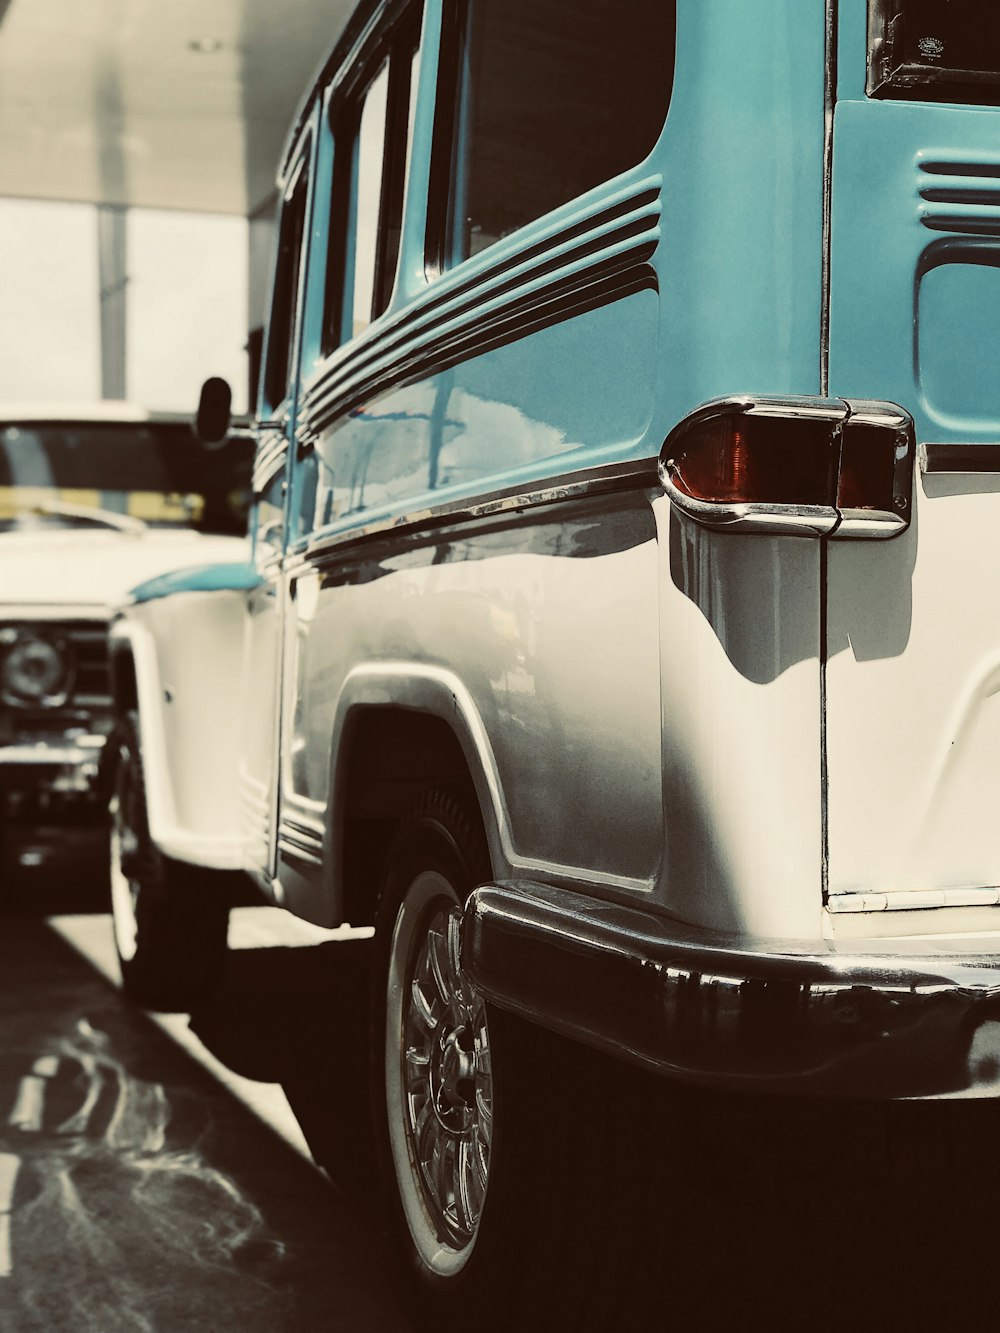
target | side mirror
[{"x": 211, "y": 425}]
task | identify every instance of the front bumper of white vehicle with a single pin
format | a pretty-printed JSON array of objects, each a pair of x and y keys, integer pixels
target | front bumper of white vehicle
[
  {"x": 60, "y": 765},
  {"x": 896, "y": 1019}
]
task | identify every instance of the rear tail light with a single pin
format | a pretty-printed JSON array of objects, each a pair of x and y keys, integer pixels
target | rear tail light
[
  {"x": 814, "y": 466},
  {"x": 934, "y": 50}
]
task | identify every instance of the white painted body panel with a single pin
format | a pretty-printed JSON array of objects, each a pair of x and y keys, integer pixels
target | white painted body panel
[
  {"x": 913, "y": 699},
  {"x": 187, "y": 650},
  {"x": 545, "y": 665},
  {"x": 739, "y": 644}
]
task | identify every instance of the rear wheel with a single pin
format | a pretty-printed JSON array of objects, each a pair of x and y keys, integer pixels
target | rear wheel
[
  {"x": 170, "y": 919},
  {"x": 484, "y": 1123}
]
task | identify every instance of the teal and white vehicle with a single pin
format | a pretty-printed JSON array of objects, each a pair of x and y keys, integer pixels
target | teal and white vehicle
[{"x": 616, "y": 644}]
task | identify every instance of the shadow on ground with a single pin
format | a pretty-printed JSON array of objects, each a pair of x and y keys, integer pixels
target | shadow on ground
[
  {"x": 142, "y": 1196},
  {"x": 745, "y": 1213}
]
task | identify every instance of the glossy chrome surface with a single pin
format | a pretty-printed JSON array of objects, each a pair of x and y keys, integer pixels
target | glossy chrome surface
[
  {"x": 790, "y": 519},
  {"x": 439, "y": 1078},
  {"x": 877, "y": 1019},
  {"x": 496, "y": 504}
]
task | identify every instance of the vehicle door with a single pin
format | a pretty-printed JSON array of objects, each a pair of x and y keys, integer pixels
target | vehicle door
[
  {"x": 913, "y": 670},
  {"x": 259, "y": 790}
]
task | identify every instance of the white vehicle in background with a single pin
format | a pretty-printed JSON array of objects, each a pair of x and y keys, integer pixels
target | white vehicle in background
[{"x": 92, "y": 499}]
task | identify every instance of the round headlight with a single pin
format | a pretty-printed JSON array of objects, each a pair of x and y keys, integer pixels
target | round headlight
[{"x": 35, "y": 670}]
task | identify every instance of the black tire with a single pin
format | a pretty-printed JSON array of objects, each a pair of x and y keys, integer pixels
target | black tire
[
  {"x": 525, "y": 1252},
  {"x": 170, "y": 919}
]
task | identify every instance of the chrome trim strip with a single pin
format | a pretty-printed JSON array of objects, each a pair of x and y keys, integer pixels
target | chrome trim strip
[
  {"x": 788, "y": 520},
  {"x": 297, "y": 852},
  {"x": 310, "y": 841},
  {"x": 607, "y": 479},
  {"x": 306, "y": 828},
  {"x": 956, "y": 458},
  {"x": 829, "y": 101},
  {"x": 732, "y": 1012},
  {"x": 506, "y": 294},
  {"x": 910, "y": 900},
  {"x": 270, "y": 458}
]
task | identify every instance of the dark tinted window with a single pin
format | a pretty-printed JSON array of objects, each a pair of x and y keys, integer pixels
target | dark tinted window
[
  {"x": 281, "y": 339},
  {"x": 945, "y": 50},
  {"x": 551, "y": 99},
  {"x": 161, "y": 473}
]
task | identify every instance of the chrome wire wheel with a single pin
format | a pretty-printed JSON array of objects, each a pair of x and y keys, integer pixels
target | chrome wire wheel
[{"x": 438, "y": 1078}]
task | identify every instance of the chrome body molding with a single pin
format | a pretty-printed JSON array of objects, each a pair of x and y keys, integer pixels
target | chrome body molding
[
  {"x": 270, "y": 457},
  {"x": 800, "y": 520},
  {"x": 604, "y": 480},
  {"x": 505, "y": 295},
  {"x": 790, "y": 521},
  {"x": 733, "y": 1011},
  {"x": 912, "y": 900}
]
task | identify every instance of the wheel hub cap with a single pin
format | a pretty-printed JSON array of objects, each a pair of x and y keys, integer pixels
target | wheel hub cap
[{"x": 447, "y": 1079}]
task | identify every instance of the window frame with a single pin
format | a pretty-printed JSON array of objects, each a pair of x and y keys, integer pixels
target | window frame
[
  {"x": 288, "y": 282},
  {"x": 394, "y": 46},
  {"x": 443, "y": 249}
]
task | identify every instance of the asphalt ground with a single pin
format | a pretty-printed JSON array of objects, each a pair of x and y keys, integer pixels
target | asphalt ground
[
  {"x": 137, "y": 1190},
  {"x": 153, "y": 1179}
]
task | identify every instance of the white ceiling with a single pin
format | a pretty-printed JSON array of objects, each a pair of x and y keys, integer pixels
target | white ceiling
[{"x": 106, "y": 101}]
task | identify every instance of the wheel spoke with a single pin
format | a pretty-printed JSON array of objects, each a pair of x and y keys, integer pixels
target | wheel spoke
[
  {"x": 423, "y": 1010},
  {"x": 437, "y": 957},
  {"x": 465, "y": 1208},
  {"x": 479, "y": 1160},
  {"x": 484, "y": 1118},
  {"x": 445, "y": 1168}
]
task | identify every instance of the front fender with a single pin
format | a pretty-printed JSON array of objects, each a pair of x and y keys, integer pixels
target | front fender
[{"x": 186, "y": 654}]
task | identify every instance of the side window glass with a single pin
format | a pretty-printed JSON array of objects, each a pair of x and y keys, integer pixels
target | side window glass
[
  {"x": 548, "y": 100},
  {"x": 281, "y": 332},
  {"x": 369, "y": 165},
  {"x": 372, "y": 132}
]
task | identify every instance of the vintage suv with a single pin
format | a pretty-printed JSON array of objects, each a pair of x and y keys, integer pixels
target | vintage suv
[
  {"x": 92, "y": 498},
  {"x": 617, "y": 643}
]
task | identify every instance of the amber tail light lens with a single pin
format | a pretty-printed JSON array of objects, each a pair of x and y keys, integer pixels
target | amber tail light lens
[{"x": 811, "y": 466}]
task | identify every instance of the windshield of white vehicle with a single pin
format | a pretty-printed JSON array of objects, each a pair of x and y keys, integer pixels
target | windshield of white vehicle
[{"x": 108, "y": 473}]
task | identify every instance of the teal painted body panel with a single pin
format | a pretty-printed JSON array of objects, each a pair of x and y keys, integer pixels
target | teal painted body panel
[
  {"x": 725, "y": 243},
  {"x": 238, "y": 577}
]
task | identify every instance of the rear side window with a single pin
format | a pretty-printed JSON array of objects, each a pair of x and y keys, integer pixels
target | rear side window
[
  {"x": 544, "y": 99},
  {"x": 373, "y": 123}
]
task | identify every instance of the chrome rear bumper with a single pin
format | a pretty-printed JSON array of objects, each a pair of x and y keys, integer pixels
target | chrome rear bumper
[{"x": 728, "y": 1011}]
